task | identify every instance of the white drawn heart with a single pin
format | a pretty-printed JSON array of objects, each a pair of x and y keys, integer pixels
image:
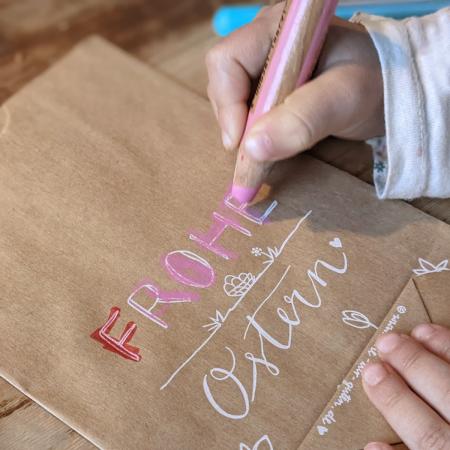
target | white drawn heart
[
  {"x": 322, "y": 430},
  {"x": 336, "y": 243}
]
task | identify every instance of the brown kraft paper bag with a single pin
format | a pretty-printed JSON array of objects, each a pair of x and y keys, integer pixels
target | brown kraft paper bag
[{"x": 147, "y": 310}]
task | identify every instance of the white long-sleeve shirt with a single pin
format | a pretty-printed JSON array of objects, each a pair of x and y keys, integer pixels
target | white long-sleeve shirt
[{"x": 413, "y": 159}]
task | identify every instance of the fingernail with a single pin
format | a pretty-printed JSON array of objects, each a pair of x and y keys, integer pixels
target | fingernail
[
  {"x": 388, "y": 343},
  {"x": 258, "y": 146},
  {"x": 423, "y": 332},
  {"x": 227, "y": 142},
  {"x": 374, "y": 374}
]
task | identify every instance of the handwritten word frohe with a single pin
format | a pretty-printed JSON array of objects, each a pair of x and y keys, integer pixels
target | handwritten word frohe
[{"x": 186, "y": 268}]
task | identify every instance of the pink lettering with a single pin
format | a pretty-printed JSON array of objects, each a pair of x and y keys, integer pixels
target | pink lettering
[
  {"x": 190, "y": 269},
  {"x": 243, "y": 210},
  {"x": 159, "y": 297},
  {"x": 209, "y": 239}
]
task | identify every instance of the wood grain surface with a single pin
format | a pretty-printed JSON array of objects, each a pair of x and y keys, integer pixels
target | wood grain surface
[{"x": 172, "y": 36}]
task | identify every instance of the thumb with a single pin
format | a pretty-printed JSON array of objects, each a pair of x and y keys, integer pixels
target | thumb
[{"x": 308, "y": 115}]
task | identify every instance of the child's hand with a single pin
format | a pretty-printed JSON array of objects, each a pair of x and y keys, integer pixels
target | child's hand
[
  {"x": 345, "y": 99},
  {"x": 412, "y": 387}
]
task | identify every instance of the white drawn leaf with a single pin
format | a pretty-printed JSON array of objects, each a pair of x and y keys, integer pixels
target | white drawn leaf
[
  {"x": 426, "y": 265},
  {"x": 357, "y": 319},
  {"x": 263, "y": 439},
  {"x": 216, "y": 322},
  {"x": 419, "y": 272}
]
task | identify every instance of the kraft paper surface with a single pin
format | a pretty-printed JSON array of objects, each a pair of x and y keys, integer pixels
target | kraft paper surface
[
  {"x": 425, "y": 299},
  {"x": 148, "y": 310}
]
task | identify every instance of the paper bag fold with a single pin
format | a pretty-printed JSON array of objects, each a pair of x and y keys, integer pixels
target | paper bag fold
[
  {"x": 350, "y": 421},
  {"x": 106, "y": 169}
]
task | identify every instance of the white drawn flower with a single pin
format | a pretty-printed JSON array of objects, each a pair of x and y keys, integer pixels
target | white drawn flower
[
  {"x": 257, "y": 251},
  {"x": 237, "y": 285},
  {"x": 270, "y": 253},
  {"x": 427, "y": 267}
]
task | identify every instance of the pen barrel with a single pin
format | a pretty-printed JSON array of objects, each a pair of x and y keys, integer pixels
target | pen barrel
[{"x": 290, "y": 63}]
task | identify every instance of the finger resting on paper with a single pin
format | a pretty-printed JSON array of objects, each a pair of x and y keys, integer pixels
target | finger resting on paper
[
  {"x": 416, "y": 423},
  {"x": 426, "y": 373},
  {"x": 435, "y": 338}
]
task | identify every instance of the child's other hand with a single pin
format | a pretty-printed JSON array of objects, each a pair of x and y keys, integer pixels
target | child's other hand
[
  {"x": 345, "y": 99},
  {"x": 411, "y": 387}
]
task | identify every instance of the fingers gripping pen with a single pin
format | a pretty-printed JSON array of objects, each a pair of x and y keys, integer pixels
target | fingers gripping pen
[{"x": 295, "y": 50}]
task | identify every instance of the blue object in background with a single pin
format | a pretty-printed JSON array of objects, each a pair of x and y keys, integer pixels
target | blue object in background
[{"x": 230, "y": 18}]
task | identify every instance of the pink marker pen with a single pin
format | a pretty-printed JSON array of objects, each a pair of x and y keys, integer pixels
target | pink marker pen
[{"x": 291, "y": 61}]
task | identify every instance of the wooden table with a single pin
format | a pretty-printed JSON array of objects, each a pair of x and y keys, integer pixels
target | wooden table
[{"x": 172, "y": 36}]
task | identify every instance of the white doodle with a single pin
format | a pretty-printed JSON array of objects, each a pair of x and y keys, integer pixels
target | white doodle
[
  {"x": 251, "y": 319},
  {"x": 237, "y": 285},
  {"x": 357, "y": 319},
  {"x": 427, "y": 267},
  {"x": 270, "y": 254},
  {"x": 322, "y": 430},
  {"x": 315, "y": 278},
  {"x": 257, "y": 251},
  {"x": 216, "y": 322},
  {"x": 260, "y": 360},
  {"x": 220, "y": 374},
  {"x": 263, "y": 336},
  {"x": 223, "y": 317},
  {"x": 336, "y": 243},
  {"x": 263, "y": 439}
]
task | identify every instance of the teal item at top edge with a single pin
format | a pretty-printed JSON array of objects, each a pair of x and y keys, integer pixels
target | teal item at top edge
[{"x": 230, "y": 18}]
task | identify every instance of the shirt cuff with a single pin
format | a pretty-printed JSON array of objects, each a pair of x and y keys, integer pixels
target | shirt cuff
[{"x": 401, "y": 167}]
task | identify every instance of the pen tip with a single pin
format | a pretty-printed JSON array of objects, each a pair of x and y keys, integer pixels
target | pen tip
[{"x": 243, "y": 194}]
